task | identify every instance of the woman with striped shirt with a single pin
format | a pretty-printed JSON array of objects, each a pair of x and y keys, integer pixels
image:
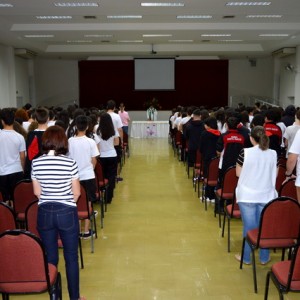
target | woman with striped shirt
[{"x": 56, "y": 184}]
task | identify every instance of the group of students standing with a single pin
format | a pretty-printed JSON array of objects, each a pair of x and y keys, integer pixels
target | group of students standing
[
  {"x": 59, "y": 159},
  {"x": 252, "y": 139}
]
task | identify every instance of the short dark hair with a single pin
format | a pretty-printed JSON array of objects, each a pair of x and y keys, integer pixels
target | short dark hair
[
  {"x": 54, "y": 138},
  {"x": 7, "y": 115},
  {"x": 197, "y": 112},
  {"x": 232, "y": 122},
  {"x": 211, "y": 122},
  {"x": 81, "y": 123},
  {"x": 42, "y": 115},
  {"x": 111, "y": 104}
]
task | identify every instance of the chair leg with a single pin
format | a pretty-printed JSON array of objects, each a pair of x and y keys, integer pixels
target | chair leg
[
  {"x": 242, "y": 254},
  {"x": 223, "y": 226},
  {"x": 228, "y": 238},
  {"x": 80, "y": 253},
  {"x": 267, "y": 285},
  {"x": 254, "y": 270}
]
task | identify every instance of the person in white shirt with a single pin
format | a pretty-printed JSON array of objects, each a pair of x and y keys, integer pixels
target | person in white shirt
[
  {"x": 257, "y": 170},
  {"x": 290, "y": 133},
  {"x": 12, "y": 154},
  {"x": 84, "y": 151},
  {"x": 293, "y": 162},
  {"x": 108, "y": 153}
]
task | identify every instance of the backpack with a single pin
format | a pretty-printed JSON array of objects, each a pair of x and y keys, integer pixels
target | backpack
[{"x": 33, "y": 149}]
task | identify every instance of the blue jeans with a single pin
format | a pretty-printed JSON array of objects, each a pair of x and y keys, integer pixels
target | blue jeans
[
  {"x": 57, "y": 219},
  {"x": 251, "y": 215}
]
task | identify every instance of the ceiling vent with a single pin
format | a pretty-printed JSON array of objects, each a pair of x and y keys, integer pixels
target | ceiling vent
[
  {"x": 229, "y": 17},
  {"x": 284, "y": 52},
  {"x": 25, "y": 53},
  {"x": 89, "y": 17}
]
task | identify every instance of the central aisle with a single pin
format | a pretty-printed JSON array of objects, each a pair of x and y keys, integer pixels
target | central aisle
[{"x": 159, "y": 243}]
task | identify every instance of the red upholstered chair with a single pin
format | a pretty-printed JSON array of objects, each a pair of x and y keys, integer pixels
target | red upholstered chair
[
  {"x": 280, "y": 177},
  {"x": 198, "y": 172},
  {"x": 24, "y": 267},
  {"x": 211, "y": 178},
  {"x": 226, "y": 192},
  {"x": 231, "y": 211},
  {"x": 279, "y": 227},
  {"x": 7, "y": 217},
  {"x": 102, "y": 185},
  {"x": 285, "y": 275},
  {"x": 23, "y": 196},
  {"x": 31, "y": 226},
  {"x": 288, "y": 189},
  {"x": 1, "y": 197},
  {"x": 125, "y": 146},
  {"x": 178, "y": 143},
  {"x": 86, "y": 212}
]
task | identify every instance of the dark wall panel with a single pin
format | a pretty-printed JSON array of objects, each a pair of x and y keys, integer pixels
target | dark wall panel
[{"x": 197, "y": 82}]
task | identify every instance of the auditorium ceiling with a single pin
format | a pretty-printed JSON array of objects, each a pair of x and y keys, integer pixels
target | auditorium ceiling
[{"x": 134, "y": 28}]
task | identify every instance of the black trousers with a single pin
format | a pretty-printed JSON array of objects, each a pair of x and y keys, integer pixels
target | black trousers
[{"x": 109, "y": 167}]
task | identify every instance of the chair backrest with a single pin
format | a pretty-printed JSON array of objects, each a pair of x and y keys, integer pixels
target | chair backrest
[
  {"x": 198, "y": 162},
  {"x": 23, "y": 196},
  {"x": 31, "y": 218},
  {"x": 295, "y": 266},
  {"x": 280, "y": 219},
  {"x": 7, "y": 218},
  {"x": 1, "y": 197},
  {"x": 213, "y": 169},
  {"x": 280, "y": 177},
  {"x": 230, "y": 180},
  {"x": 125, "y": 138},
  {"x": 83, "y": 207},
  {"x": 21, "y": 251},
  {"x": 234, "y": 206},
  {"x": 288, "y": 189}
]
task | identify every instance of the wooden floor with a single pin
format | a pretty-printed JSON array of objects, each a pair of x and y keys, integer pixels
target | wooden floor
[{"x": 159, "y": 243}]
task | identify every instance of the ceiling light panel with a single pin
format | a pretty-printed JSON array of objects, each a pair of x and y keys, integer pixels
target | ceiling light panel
[
  {"x": 53, "y": 17},
  {"x": 6, "y": 5},
  {"x": 76, "y": 4},
  {"x": 194, "y": 17},
  {"x": 248, "y": 3},
  {"x": 125, "y": 17},
  {"x": 162, "y": 4},
  {"x": 217, "y": 34},
  {"x": 39, "y": 35},
  {"x": 264, "y": 16},
  {"x": 130, "y": 41},
  {"x": 98, "y": 35},
  {"x": 157, "y": 35},
  {"x": 274, "y": 34}
]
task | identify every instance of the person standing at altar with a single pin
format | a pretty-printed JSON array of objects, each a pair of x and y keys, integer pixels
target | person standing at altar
[
  {"x": 124, "y": 117},
  {"x": 151, "y": 113}
]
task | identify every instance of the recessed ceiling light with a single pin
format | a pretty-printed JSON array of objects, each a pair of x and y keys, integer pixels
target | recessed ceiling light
[
  {"x": 76, "y": 4},
  {"x": 125, "y": 17},
  {"x": 264, "y": 16},
  {"x": 6, "y": 5},
  {"x": 98, "y": 35},
  {"x": 217, "y": 34},
  {"x": 194, "y": 17},
  {"x": 130, "y": 41},
  {"x": 162, "y": 4},
  {"x": 230, "y": 40},
  {"x": 39, "y": 35},
  {"x": 53, "y": 17},
  {"x": 274, "y": 34},
  {"x": 247, "y": 3},
  {"x": 156, "y": 35},
  {"x": 181, "y": 41},
  {"x": 79, "y": 41}
]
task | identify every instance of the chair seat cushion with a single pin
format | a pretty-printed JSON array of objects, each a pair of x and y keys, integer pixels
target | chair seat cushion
[
  {"x": 220, "y": 194},
  {"x": 268, "y": 243},
  {"x": 236, "y": 212},
  {"x": 281, "y": 271},
  {"x": 37, "y": 286}
]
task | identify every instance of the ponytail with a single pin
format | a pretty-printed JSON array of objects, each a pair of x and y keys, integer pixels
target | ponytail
[{"x": 258, "y": 133}]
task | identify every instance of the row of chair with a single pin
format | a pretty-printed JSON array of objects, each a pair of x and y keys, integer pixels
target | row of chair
[{"x": 283, "y": 233}]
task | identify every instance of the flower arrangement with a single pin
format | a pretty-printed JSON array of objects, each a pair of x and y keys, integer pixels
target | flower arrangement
[{"x": 152, "y": 102}]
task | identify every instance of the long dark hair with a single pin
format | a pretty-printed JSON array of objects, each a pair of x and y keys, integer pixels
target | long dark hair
[{"x": 106, "y": 128}]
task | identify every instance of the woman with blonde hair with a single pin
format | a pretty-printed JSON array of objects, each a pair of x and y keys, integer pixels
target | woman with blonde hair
[{"x": 257, "y": 169}]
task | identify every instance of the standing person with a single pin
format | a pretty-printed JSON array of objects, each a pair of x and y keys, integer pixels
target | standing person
[
  {"x": 151, "y": 113},
  {"x": 56, "y": 184},
  {"x": 34, "y": 138},
  {"x": 257, "y": 169},
  {"x": 293, "y": 162},
  {"x": 118, "y": 126},
  {"x": 290, "y": 133},
  {"x": 85, "y": 151},
  {"x": 124, "y": 118},
  {"x": 12, "y": 154},
  {"x": 108, "y": 154}
]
